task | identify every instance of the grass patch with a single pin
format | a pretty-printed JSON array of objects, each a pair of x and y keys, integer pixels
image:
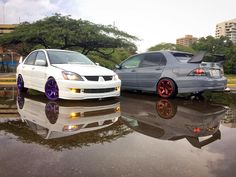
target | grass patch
[
  {"x": 231, "y": 79},
  {"x": 230, "y": 76}
]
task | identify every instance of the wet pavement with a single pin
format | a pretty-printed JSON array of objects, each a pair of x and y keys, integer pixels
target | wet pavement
[{"x": 135, "y": 135}]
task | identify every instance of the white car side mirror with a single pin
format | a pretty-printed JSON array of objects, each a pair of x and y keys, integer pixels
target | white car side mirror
[
  {"x": 97, "y": 64},
  {"x": 40, "y": 62}
]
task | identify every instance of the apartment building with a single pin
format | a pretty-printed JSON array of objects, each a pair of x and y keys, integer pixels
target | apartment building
[
  {"x": 228, "y": 29},
  {"x": 7, "y": 28},
  {"x": 186, "y": 41}
]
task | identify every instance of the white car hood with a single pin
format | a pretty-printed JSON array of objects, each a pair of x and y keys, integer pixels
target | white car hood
[{"x": 86, "y": 70}]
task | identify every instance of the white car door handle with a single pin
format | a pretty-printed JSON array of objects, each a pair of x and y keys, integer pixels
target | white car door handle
[{"x": 33, "y": 68}]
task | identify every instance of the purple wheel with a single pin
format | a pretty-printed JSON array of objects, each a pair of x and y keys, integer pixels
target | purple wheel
[
  {"x": 166, "y": 88},
  {"x": 20, "y": 100},
  {"x": 52, "y": 111},
  {"x": 20, "y": 84},
  {"x": 51, "y": 89}
]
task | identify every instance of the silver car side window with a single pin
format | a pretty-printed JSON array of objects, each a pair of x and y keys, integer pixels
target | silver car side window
[
  {"x": 132, "y": 62},
  {"x": 153, "y": 59}
]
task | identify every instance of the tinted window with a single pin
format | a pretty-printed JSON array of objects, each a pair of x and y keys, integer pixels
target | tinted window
[
  {"x": 41, "y": 56},
  {"x": 132, "y": 62},
  {"x": 153, "y": 59},
  {"x": 30, "y": 59}
]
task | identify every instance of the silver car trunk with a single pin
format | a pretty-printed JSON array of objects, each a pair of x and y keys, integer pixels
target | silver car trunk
[{"x": 214, "y": 70}]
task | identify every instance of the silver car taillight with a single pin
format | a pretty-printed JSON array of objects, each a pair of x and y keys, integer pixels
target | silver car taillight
[{"x": 198, "y": 72}]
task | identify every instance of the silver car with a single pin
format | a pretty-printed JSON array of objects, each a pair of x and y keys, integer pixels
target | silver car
[{"x": 170, "y": 72}]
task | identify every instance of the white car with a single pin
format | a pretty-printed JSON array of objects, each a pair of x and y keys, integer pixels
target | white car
[{"x": 67, "y": 75}]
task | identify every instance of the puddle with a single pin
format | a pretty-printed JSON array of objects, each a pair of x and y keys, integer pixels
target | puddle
[{"x": 135, "y": 135}]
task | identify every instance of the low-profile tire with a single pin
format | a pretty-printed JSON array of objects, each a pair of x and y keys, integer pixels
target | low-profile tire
[
  {"x": 166, "y": 88},
  {"x": 20, "y": 84},
  {"x": 51, "y": 89}
]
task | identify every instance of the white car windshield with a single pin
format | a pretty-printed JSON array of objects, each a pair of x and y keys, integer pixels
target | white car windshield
[{"x": 68, "y": 57}]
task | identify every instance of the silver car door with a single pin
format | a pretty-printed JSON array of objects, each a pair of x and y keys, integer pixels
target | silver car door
[
  {"x": 127, "y": 71},
  {"x": 150, "y": 70}
]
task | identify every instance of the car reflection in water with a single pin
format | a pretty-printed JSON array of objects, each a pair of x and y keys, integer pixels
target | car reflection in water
[
  {"x": 173, "y": 119},
  {"x": 51, "y": 120}
]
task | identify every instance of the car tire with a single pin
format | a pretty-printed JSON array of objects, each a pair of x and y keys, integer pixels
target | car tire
[
  {"x": 20, "y": 84},
  {"x": 52, "y": 111},
  {"x": 20, "y": 100},
  {"x": 166, "y": 88},
  {"x": 51, "y": 89},
  {"x": 166, "y": 109}
]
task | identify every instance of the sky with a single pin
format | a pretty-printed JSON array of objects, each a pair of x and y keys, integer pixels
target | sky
[{"x": 153, "y": 21}]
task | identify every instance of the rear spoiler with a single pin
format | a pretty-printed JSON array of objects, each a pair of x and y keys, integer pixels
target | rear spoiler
[
  {"x": 220, "y": 58},
  {"x": 199, "y": 57}
]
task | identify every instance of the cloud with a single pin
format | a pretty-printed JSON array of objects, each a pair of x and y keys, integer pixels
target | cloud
[
  {"x": 25, "y": 10},
  {"x": 154, "y": 21}
]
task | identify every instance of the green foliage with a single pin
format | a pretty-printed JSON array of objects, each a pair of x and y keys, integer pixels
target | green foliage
[
  {"x": 170, "y": 46},
  {"x": 220, "y": 45},
  {"x": 109, "y": 61},
  {"x": 63, "y": 32},
  {"x": 213, "y": 45}
]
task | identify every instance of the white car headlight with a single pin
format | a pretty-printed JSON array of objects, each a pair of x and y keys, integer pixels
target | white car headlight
[
  {"x": 67, "y": 75},
  {"x": 115, "y": 77}
]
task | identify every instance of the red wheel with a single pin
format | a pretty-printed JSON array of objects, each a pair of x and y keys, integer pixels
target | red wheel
[
  {"x": 166, "y": 88},
  {"x": 166, "y": 109}
]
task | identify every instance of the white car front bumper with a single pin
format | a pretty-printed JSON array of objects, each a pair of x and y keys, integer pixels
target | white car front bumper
[{"x": 88, "y": 89}]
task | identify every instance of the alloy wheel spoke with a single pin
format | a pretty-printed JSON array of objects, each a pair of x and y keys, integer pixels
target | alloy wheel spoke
[{"x": 166, "y": 91}]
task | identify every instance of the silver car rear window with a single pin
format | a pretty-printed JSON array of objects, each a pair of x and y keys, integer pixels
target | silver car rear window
[{"x": 182, "y": 57}]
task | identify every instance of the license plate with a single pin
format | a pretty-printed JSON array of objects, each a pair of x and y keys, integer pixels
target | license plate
[{"x": 215, "y": 73}]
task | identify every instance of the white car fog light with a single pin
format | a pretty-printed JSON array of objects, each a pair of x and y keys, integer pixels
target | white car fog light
[{"x": 74, "y": 90}]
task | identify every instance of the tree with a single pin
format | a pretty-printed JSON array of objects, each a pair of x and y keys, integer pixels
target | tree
[
  {"x": 213, "y": 45},
  {"x": 170, "y": 46},
  {"x": 63, "y": 32},
  {"x": 109, "y": 61},
  {"x": 220, "y": 45}
]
